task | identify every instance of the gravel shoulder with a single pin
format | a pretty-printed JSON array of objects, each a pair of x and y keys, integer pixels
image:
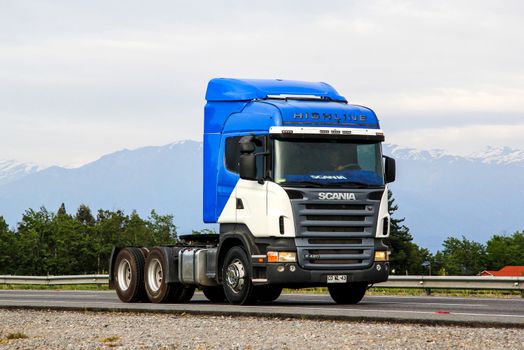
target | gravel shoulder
[{"x": 96, "y": 330}]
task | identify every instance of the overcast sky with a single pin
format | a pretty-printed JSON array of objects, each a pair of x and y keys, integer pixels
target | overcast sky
[{"x": 79, "y": 79}]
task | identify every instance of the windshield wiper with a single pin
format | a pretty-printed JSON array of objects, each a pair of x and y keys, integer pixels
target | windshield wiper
[{"x": 352, "y": 184}]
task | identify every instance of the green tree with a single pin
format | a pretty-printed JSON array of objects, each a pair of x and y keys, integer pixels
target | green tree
[
  {"x": 205, "y": 231},
  {"x": 49, "y": 243},
  {"x": 162, "y": 228},
  {"x": 7, "y": 251},
  {"x": 84, "y": 215},
  {"x": 505, "y": 250},
  {"x": 406, "y": 257},
  {"x": 34, "y": 242},
  {"x": 462, "y": 257}
]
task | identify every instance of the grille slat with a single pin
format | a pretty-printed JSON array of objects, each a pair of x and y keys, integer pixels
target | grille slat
[
  {"x": 335, "y": 218},
  {"x": 310, "y": 223},
  {"x": 335, "y": 241},
  {"x": 336, "y": 262},
  {"x": 329, "y": 212},
  {"x": 326, "y": 206},
  {"x": 341, "y": 257},
  {"x": 331, "y": 229}
]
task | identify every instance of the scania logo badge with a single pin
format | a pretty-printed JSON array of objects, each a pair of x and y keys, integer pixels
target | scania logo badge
[{"x": 348, "y": 196}]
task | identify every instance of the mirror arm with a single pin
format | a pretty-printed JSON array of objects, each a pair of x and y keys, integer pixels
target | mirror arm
[{"x": 266, "y": 153}]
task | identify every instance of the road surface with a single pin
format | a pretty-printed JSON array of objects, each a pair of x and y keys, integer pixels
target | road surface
[{"x": 426, "y": 309}]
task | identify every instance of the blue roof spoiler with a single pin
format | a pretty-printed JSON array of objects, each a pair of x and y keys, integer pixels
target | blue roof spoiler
[{"x": 224, "y": 89}]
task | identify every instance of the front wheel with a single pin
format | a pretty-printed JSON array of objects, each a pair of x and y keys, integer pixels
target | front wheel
[
  {"x": 350, "y": 293},
  {"x": 236, "y": 277}
]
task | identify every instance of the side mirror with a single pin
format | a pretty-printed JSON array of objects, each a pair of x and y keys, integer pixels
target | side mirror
[
  {"x": 247, "y": 145},
  {"x": 248, "y": 163},
  {"x": 248, "y": 166},
  {"x": 390, "y": 170}
]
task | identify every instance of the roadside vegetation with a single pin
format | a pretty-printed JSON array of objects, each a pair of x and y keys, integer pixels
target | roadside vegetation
[
  {"x": 377, "y": 291},
  {"x": 59, "y": 243},
  {"x": 12, "y": 336},
  {"x": 458, "y": 257}
]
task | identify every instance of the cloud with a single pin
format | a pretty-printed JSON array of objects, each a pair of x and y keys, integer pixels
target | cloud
[{"x": 106, "y": 70}]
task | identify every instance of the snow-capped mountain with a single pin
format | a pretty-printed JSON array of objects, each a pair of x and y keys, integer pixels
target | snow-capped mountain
[
  {"x": 499, "y": 155},
  {"x": 165, "y": 178},
  {"x": 490, "y": 155},
  {"x": 11, "y": 170},
  {"x": 439, "y": 194},
  {"x": 442, "y": 195}
]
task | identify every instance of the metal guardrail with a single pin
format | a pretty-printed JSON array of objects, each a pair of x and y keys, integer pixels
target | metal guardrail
[
  {"x": 455, "y": 282},
  {"x": 416, "y": 282},
  {"x": 55, "y": 280}
]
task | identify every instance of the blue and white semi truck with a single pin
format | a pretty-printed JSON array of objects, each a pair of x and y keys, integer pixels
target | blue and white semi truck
[{"x": 295, "y": 177}]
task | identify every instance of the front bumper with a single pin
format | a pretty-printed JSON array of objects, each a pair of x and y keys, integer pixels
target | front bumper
[{"x": 378, "y": 272}]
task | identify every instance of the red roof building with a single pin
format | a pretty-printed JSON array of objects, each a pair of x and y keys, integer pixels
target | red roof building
[{"x": 507, "y": 271}]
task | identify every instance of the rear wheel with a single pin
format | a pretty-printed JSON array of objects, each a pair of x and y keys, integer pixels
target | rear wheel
[
  {"x": 214, "y": 294},
  {"x": 158, "y": 290},
  {"x": 236, "y": 277},
  {"x": 129, "y": 275},
  {"x": 268, "y": 293},
  {"x": 350, "y": 293}
]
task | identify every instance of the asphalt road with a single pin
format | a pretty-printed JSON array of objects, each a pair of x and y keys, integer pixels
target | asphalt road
[{"x": 438, "y": 310}]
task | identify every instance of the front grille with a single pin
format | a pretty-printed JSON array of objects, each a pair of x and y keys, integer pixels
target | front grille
[
  {"x": 334, "y": 219},
  {"x": 336, "y": 257},
  {"x": 335, "y": 234}
]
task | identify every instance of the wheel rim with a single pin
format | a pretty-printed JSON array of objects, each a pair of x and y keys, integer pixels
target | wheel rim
[
  {"x": 155, "y": 275},
  {"x": 124, "y": 274},
  {"x": 235, "y": 276}
]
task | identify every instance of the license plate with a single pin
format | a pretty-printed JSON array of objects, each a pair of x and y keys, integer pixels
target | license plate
[{"x": 337, "y": 279}]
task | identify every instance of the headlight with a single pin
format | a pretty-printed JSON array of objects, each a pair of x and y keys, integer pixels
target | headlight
[
  {"x": 381, "y": 255},
  {"x": 284, "y": 257}
]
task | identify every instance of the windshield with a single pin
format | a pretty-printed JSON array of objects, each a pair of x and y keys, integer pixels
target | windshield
[{"x": 328, "y": 162}]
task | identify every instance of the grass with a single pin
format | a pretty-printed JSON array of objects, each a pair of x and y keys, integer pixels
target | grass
[
  {"x": 111, "y": 342},
  {"x": 13, "y": 336},
  {"x": 420, "y": 292},
  {"x": 16, "y": 335},
  {"x": 53, "y": 287},
  {"x": 110, "y": 339}
]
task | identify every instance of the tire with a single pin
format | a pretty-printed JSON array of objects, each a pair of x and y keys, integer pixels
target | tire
[
  {"x": 214, "y": 294},
  {"x": 268, "y": 293},
  {"x": 158, "y": 291},
  {"x": 236, "y": 277},
  {"x": 128, "y": 275},
  {"x": 350, "y": 293}
]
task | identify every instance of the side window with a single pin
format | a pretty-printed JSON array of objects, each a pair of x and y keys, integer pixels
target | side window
[{"x": 232, "y": 154}]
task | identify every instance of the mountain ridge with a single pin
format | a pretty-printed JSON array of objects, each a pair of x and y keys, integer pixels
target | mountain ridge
[{"x": 438, "y": 193}]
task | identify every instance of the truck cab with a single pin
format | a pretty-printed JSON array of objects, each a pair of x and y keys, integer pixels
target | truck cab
[
  {"x": 290, "y": 167},
  {"x": 295, "y": 178}
]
